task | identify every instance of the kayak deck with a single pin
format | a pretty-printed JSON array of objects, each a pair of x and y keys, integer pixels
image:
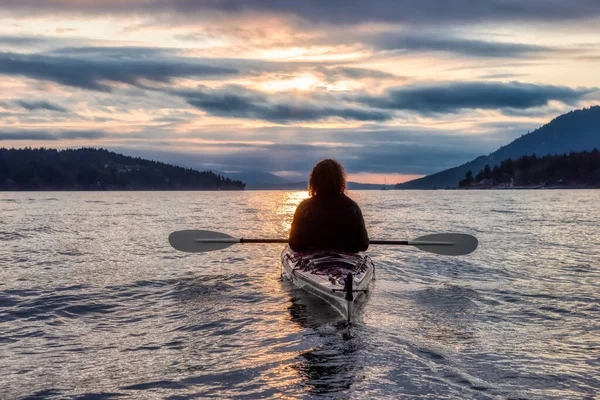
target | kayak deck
[{"x": 336, "y": 277}]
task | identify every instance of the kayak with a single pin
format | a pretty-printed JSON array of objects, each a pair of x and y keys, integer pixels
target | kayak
[{"x": 338, "y": 278}]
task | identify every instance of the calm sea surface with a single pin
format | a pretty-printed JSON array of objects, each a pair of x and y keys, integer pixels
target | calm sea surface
[{"x": 95, "y": 304}]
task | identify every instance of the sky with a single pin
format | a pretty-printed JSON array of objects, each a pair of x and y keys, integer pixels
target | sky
[{"x": 393, "y": 89}]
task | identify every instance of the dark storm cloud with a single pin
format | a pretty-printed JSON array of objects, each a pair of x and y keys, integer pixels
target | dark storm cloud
[
  {"x": 443, "y": 43},
  {"x": 40, "y": 105},
  {"x": 93, "y": 73},
  {"x": 238, "y": 102},
  {"x": 335, "y": 11},
  {"x": 453, "y": 96}
]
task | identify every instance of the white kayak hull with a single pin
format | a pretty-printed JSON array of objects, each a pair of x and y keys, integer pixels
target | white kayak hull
[{"x": 325, "y": 275}]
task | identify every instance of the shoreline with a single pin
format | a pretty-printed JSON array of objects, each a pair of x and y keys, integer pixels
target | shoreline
[{"x": 537, "y": 187}]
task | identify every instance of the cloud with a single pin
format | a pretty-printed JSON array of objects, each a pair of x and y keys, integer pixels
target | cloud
[
  {"x": 441, "y": 42},
  {"x": 500, "y": 75},
  {"x": 238, "y": 102},
  {"x": 29, "y": 43},
  {"x": 337, "y": 73},
  {"x": 93, "y": 73},
  {"x": 423, "y": 158},
  {"x": 410, "y": 150},
  {"x": 13, "y": 40},
  {"x": 446, "y": 97},
  {"x": 115, "y": 52},
  {"x": 81, "y": 134},
  {"x": 26, "y": 135},
  {"x": 333, "y": 11},
  {"x": 40, "y": 105},
  {"x": 95, "y": 67},
  {"x": 49, "y": 135},
  {"x": 449, "y": 97}
]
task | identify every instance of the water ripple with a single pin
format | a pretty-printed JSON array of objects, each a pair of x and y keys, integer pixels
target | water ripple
[{"x": 94, "y": 304}]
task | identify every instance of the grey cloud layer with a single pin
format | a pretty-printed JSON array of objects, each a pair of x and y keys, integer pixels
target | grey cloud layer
[
  {"x": 446, "y": 97},
  {"x": 440, "y": 42},
  {"x": 336, "y": 11},
  {"x": 93, "y": 73},
  {"x": 238, "y": 102},
  {"x": 40, "y": 105},
  {"x": 94, "y": 68},
  {"x": 14, "y": 40},
  {"x": 38, "y": 134},
  {"x": 335, "y": 73},
  {"x": 454, "y": 96}
]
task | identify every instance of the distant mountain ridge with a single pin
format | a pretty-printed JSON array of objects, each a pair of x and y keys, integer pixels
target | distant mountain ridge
[
  {"x": 261, "y": 180},
  {"x": 304, "y": 185},
  {"x": 254, "y": 177},
  {"x": 577, "y": 130}
]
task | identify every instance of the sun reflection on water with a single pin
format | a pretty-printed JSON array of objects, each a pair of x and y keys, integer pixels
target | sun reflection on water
[{"x": 287, "y": 205}]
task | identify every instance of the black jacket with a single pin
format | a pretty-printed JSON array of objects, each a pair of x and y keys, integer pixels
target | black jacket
[{"x": 329, "y": 223}]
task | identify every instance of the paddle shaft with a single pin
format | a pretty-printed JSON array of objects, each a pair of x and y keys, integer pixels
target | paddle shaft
[
  {"x": 200, "y": 241},
  {"x": 383, "y": 242}
]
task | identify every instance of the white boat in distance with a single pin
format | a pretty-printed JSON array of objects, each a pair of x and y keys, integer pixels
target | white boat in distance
[{"x": 384, "y": 184}]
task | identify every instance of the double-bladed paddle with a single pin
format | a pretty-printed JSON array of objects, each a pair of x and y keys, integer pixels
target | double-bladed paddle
[{"x": 448, "y": 244}]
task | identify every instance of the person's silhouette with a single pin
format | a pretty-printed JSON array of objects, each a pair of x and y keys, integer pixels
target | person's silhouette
[{"x": 328, "y": 219}]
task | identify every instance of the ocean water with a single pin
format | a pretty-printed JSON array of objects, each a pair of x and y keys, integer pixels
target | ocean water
[{"x": 94, "y": 304}]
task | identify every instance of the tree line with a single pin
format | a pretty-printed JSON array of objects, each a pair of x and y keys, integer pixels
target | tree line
[
  {"x": 574, "y": 169},
  {"x": 99, "y": 169}
]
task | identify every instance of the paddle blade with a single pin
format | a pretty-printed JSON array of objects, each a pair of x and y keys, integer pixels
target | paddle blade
[
  {"x": 196, "y": 241},
  {"x": 447, "y": 244}
]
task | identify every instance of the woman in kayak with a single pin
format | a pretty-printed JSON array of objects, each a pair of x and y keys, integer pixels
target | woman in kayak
[{"x": 328, "y": 219}]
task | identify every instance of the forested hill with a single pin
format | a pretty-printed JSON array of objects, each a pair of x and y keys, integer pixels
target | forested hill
[
  {"x": 575, "y": 131},
  {"x": 99, "y": 169},
  {"x": 581, "y": 169}
]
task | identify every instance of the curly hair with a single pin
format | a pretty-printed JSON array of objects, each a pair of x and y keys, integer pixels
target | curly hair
[{"x": 327, "y": 178}]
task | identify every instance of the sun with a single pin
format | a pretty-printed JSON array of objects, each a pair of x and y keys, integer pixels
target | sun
[{"x": 301, "y": 82}]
